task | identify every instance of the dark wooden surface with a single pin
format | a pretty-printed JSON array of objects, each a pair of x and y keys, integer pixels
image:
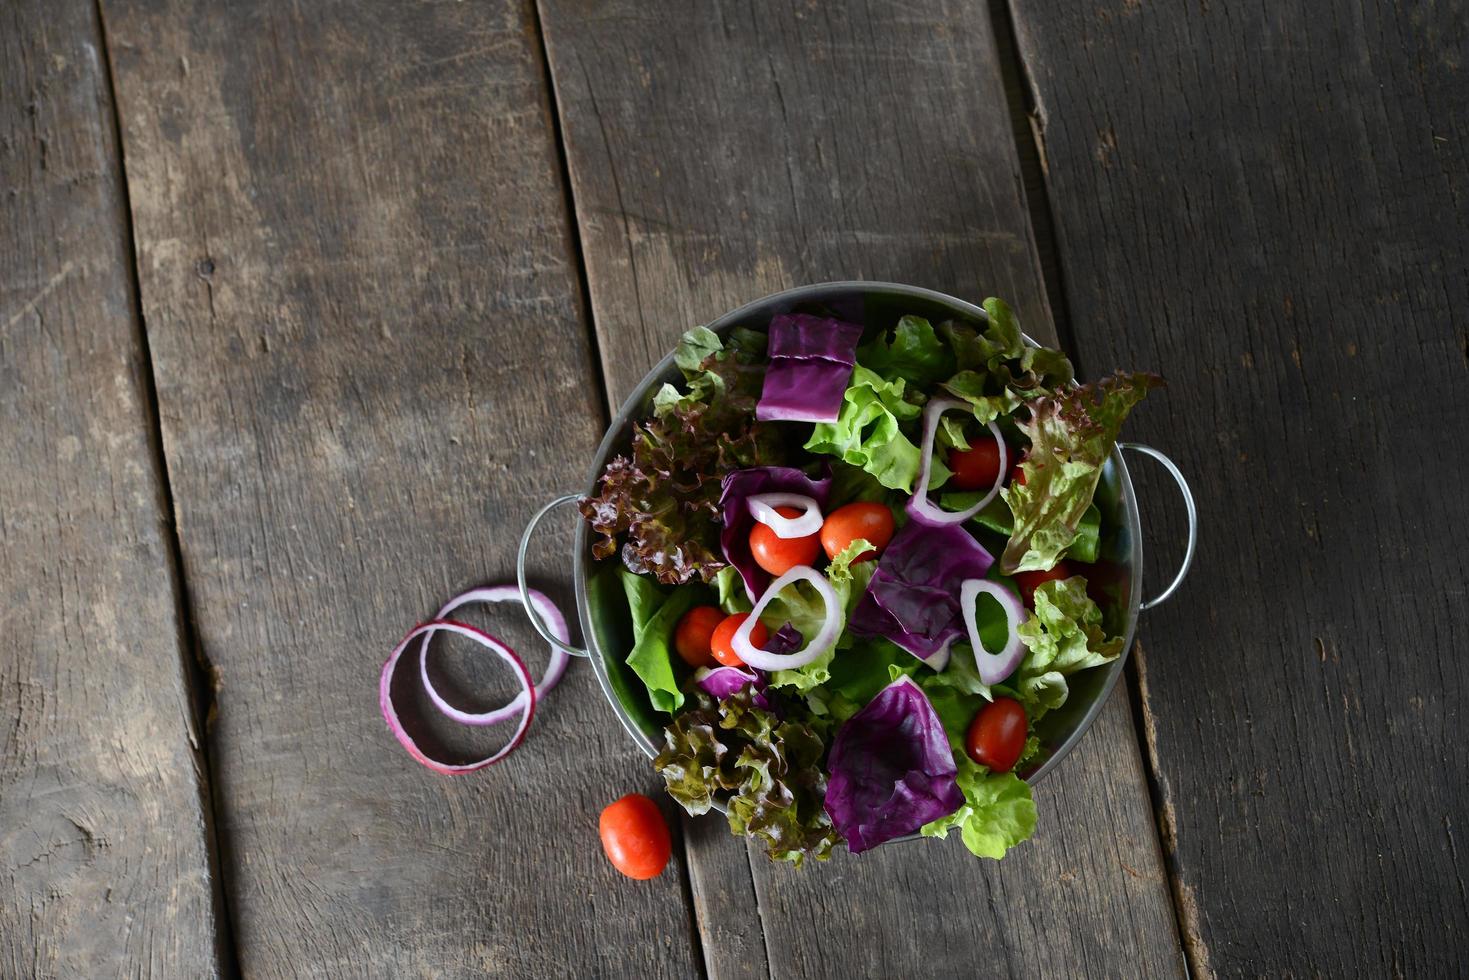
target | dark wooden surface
[
  {"x": 885, "y": 113},
  {"x": 361, "y": 234},
  {"x": 104, "y": 854},
  {"x": 1270, "y": 205},
  {"x": 372, "y": 363}
]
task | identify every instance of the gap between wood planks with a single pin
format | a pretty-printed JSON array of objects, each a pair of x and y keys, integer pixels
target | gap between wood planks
[
  {"x": 198, "y": 673},
  {"x": 584, "y": 300},
  {"x": 1028, "y": 128}
]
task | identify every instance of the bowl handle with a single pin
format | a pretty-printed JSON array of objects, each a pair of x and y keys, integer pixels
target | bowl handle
[
  {"x": 1193, "y": 521},
  {"x": 530, "y": 612}
]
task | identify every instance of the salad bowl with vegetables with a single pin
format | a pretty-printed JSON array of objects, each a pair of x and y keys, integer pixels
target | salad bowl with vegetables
[{"x": 859, "y": 563}]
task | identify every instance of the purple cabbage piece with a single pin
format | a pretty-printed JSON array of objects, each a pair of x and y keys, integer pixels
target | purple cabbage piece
[
  {"x": 803, "y": 335},
  {"x": 913, "y": 598},
  {"x": 811, "y": 359},
  {"x": 721, "y": 682},
  {"x": 891, "y": 769},
  {"x": 787, "y": 639},
  {"x": 803, "y": 391},
  {"x": 734, "y": 537}
]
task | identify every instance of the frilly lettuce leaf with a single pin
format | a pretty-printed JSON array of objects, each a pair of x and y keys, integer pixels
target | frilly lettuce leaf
[
  {"x": 662, "y": 501},
  {"x": 1071, "y": 435},
  {"x": 1063, "y": 635},
  {"x": 997, "y": 813},
  {"x": 1065, "y": 632},
  {"x": 914, "y": 353},
  {"x": 770, "y": 768},
  {"x": 866, "y": 432}
]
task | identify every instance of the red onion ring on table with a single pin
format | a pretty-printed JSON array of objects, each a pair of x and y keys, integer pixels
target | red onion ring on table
[
  {"x": 390, "y": 713},
  {"x": 763, "y": 507},
  {"x": 923, "y": 508},
  {"x": 993, "y": 667},
  {"x": 554, "y": 668},
  {"x": 825, "y": 638}
]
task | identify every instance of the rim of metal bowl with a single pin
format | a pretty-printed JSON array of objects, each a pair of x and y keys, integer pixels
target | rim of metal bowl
[{"x": 633, "y": 408}]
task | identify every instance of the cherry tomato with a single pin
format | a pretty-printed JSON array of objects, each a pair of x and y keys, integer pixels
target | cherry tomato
[
  {"x": 691, "y": 637},
  {"x": 635, "y": 837},
  {"x": 779, "y": 555},
  {"x": 1030, "y": 581},
  {"x": 1017, "y": 475},
  {"x": 977, "y": 467},
  {"x": 722, "y": 642},
  {"x": 996, "y": 737},
  {"x": 874, "y": 522}
]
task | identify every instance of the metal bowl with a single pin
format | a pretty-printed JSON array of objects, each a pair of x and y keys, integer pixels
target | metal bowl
[{"x": 602, "y": 609}]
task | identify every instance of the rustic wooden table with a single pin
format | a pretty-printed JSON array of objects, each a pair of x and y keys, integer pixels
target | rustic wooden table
[{"x": 305, "y": 306}]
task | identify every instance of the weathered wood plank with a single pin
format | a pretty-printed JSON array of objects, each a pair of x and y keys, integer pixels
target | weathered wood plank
[
  {"x": 718, "y": 157},
  {"x": 1270, "y": 205},
  {"x": 372, "y": 364},
  {"x": 104, "y": 852}
]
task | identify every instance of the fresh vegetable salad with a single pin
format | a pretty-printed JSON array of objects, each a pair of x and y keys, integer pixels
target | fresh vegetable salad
[{"x": 860, "y": 565}]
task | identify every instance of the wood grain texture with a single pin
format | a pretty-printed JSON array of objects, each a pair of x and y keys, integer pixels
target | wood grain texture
[
  {"x": 716, "y": 158},
  {"x": 104, "y": 854},
  {"x": 1270, "y": 205},
  {"x": 372, "y": 366}
]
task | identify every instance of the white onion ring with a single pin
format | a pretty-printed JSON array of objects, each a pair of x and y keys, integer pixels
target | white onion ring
[
  {"x": 390, "y": 714},
  {"x": 763, "y": 506},
  {"x": 993, "y": 667},
  {"x": 823, "y": 641},
  {"x": 554, "y": 668},
  {"x": 920, "y": 506}
]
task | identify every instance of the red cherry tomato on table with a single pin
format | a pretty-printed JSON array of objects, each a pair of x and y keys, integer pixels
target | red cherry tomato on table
[
  {"x": 1030, "y": 581},
  {"x": 635, "y": 837},
  {"x": 873, "y": 522},
  {"x": 722, "y": 642},
  {"x": 692, "y": 635},
  {"x": 977, "y": 467},
  {"x": 779, "y": 555},
  {"x": 996, "y": 737}
]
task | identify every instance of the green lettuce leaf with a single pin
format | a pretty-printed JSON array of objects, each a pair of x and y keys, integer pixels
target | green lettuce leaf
[
  {"x": 1065, "y": 632},
  {"x": 1071, "y": 435},
  {"x": 997, "y": 814},
  {"x": 769, "y": 768},
  {"x": 852, "y": 483},
  {"x": 1063, "y": 635},
  {"x": 996, "y": 516},
  {"x": 655, "y": 616},
  {"x": 730, "y": 589},
  {"x": 866, "y": 432},
  {"x": 914, "y": 353}
]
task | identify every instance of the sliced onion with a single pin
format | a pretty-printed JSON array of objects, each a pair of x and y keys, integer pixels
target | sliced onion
[
  {"x": 554, "y": 668},
  {"x": 920, "y": 506},
  {"x": 993, "y": 667},
  {"x": 763, "y": 509},
  {"x": 824, "y": 640},
  {"x": 527, "y": 697}
]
